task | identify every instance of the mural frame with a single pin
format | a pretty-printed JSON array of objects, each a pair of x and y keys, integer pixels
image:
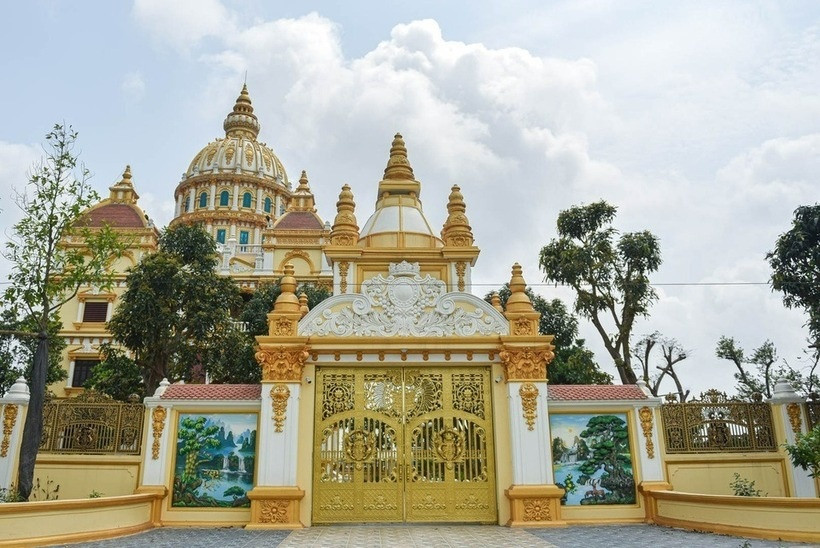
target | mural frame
[
  {"x": 628, "y": 415},
  {"x": 177, "y": 413}
]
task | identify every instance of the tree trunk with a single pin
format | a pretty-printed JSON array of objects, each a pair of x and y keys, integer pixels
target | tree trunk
[{"x": 33, "y": 429}]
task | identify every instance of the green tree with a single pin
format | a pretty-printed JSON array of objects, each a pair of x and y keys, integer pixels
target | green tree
[
  {"x": 805, "y": 452},
  {"x": 47, "y": 270},
  {"x": 175, "y": 307},
  {"x": 17, "y": 353},
  {"x": 573, "y": 362},
  {"x": 195, "y": 437},
  {"x": 795, "y": 263},
  {"x": 608, "y": 442},
  {"x": 610, "y": 278},
  {"x": 116, "y": 375},
  {"x": 231, "y": 358},
  {"x": 757, "y": 374}
]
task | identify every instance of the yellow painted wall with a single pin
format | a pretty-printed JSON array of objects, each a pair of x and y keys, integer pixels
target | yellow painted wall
[
  {"x": 79, "y": 475},
  {"x": 39, "y": 523},
  {"x": 766, "y": 517},
  {"x": 711, "y": 474}
]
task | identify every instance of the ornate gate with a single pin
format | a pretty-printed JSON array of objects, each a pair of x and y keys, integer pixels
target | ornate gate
[{"x": 400, "y": 444}]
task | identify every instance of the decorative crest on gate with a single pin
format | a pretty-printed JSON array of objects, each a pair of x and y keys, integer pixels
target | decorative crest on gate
[{"x": 405, "y": 304}]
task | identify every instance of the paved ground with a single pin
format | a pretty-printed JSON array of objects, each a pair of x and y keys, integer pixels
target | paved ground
[{"x": 456, "y": 536}]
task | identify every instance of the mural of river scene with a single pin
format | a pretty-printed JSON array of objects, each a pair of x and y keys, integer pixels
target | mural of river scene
[
  {"x": 214, "y": 460},
  {"x": 591, "y": 458}
]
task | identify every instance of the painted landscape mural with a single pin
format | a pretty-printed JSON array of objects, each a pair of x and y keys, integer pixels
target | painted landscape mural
[
  {"x": 591, "y": 458},
  {"x": 215, "y": 460}
]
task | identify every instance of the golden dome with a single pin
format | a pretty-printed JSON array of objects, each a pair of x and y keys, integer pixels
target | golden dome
[{"x": 239, "y": 152}]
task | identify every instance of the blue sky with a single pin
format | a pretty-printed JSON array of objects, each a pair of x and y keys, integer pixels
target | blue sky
[{"x": 700, "y": 120}]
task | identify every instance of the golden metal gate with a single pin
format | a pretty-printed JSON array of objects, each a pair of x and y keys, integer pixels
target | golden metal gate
[{"x": 402, "y": 444}]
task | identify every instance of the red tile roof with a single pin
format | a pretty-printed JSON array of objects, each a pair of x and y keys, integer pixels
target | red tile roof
[
  {"x": 574, "y": 392},
  {"x": 213, "y": 392},
  {"x": 298, "y": 220},
  {"x": 116, "y": 215}
]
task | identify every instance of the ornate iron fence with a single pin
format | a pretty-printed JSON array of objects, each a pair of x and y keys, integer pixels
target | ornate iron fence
[
  {"x": 716, "y": 423},
  {"x": 92, "y": 423}
]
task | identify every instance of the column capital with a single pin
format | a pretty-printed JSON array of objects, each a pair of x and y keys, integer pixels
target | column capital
[
  {"x": 526, "y": 363},
  {"x": 282, "y": 363}
]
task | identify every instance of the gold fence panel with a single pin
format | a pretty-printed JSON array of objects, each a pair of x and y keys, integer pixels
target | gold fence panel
[
  {"x": 92, "y": 424},
  {"x": 396, "y": 444},
  {"x": 716, "y": 423}
]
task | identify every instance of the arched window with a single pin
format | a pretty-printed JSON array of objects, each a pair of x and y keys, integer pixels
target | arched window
[
  {"x": 224, "y": 198},
  {"x": 220, "y": 235},
  {"x": 187, "y": 204},
  {"x": 246, "y": 199},
  {"x": 203, "y": 200},
  {"x": 267, "y": 205}
]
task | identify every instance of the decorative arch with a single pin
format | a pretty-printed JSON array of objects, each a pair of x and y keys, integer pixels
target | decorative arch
[
  {"x": 296, "y": 254},
  {"x": 224, "y": 198},
  {"x": 247, "y": 199},
  {"x": 418, "y": 307}
]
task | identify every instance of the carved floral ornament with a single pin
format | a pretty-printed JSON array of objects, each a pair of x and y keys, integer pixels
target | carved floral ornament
[
  {"x": 273, "y": 511},
  {"x": 795, "y": 417},
  {"x": 9, "y": 418},
  {"x": 537, "y": 510},
  {"x": 158, "y": 424},
  {"x": 280, "y": 394},
  {"x": 645, "y": 414},
  {"x": 405, "y": 304},
  {"x": 282, "y": 364},
  {"x": 529, "y": 403},
  {"x": 526, "y": 363}
]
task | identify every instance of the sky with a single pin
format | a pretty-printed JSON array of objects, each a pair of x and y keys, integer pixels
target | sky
[{"x": 699, "y": 120}]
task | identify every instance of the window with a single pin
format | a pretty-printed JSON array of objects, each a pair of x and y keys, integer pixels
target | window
[
  {"x": 224, "y": 198},
  {"x": 203, "y": 200},
  {"x": 246, "y": 199},
  {"x": 220, "y": 235},
  {"x": 282, "y": 209},
  {"x": 82, "y": 371},
  {"x": 188, "y": 204},
  {"x": 95, "y": 311},
  {"x": 267, "y": 205},
  {"x": 243, "y": 237}
]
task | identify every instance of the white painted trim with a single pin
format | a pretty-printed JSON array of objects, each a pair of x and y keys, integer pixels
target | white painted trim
[
  {"x": 651, "y": 469},
  {"x": 803, "y": 482},
  {"x": 531, "y": 450},
  {"x": 277, "y": 451},
  {"x": 154, "y": 471}
]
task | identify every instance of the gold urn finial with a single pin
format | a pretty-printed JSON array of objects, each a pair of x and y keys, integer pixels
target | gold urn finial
[
  {"x": 126, "y": 175},
  {"x": 457, "y": 231},
  {"x": 303, "y": 304},
  {"x": 345, "y": 231},
  {"x": 398, "y": 175},
  {"x": 242, "y": 122},
  {"x": 287, "y": 300},
  {"x": 302, "y": 199},
  {"x": 518, "y": 301},
  {"x": 303, "y": 182}
]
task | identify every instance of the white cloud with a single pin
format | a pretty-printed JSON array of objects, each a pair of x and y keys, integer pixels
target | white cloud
[
  {"x": 699, "y": 122},
  {"x": 183, "y": 23}
]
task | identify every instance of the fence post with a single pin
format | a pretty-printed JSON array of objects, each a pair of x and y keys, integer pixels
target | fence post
[
  {"x": 14, "y": 404},
  {"x": 789, "y": 419}
]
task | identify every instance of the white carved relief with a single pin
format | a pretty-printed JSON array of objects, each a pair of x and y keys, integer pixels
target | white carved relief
[{"x": 404, "y": 304}]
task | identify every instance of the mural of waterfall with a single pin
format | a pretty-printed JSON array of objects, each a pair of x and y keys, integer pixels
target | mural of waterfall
[{"x": 215, "y": 459}]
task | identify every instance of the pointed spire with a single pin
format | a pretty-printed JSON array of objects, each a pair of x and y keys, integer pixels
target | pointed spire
[
  {"x": 518, "y": 301},
  {"x": 287, "y": 300},
  {"x": 302, "y": 198},
  {"x": 242, "y": 122},
  {"x": 398, "y": 175},
  {"x": 495, "y": 300},
  {"x": 303, "y": 304},
  {"x": 456, "y": 231},
  {"x": 123, "y": 191},
  {"x": 345, "y": 231}
]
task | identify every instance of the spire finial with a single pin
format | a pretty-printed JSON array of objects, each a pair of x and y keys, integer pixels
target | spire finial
[
  {"x": 126, "y": 175},
  {"x": 398, "y": 167},
  {"x": 242, "y": 122},
  {"x": 303, "y": 304},
  {"x": 518, "y": 301},
  {"x": 287, "y": 301},
  {"x": 345, "y": 231},
  {"x": 456, "y": 231},
  {"x": 303, "y": 182},
  {"x": 123, "y": 190}
]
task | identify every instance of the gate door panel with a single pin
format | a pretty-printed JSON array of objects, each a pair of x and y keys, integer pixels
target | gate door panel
[{"x": 403, "y": 445}]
